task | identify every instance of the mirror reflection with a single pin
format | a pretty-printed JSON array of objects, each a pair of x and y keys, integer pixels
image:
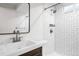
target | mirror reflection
[{"x": 14, "y": 17}]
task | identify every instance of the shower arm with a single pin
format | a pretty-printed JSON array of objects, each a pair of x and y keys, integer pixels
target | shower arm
[{"x": 52, "y": 6}]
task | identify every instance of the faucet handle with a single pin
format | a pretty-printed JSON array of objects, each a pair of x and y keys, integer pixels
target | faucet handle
[{"x": 13, "y": 39}]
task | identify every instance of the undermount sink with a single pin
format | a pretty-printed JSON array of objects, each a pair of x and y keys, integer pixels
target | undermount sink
[{"x": 21, "y": 44}]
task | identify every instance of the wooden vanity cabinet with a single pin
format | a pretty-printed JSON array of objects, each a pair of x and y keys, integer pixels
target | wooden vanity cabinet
[{"x": 35, "y": 52}]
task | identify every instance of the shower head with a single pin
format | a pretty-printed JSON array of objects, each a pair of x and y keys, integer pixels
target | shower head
[{"x": 53, "y": 10}]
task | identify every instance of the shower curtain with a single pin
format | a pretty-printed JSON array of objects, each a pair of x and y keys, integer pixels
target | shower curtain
[{"x": 66, "y": 32}]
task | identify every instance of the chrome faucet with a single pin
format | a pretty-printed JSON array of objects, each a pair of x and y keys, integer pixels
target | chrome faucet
[{"x": 17, "y": 38}]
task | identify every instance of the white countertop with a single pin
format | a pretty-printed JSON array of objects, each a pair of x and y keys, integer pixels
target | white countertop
[{"x": 18, "y": 48}]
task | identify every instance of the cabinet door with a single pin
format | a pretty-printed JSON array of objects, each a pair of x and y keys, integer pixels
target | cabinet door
[{"x": 35, "y": 52}]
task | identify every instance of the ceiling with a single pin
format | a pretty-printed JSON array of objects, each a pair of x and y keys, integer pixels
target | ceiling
[
  {"x": 15, "y": 5},
  {"x": 10, "y": 5}
]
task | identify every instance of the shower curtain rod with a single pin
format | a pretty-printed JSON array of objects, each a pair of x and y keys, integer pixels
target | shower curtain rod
[{"x": 51, "y": 6}]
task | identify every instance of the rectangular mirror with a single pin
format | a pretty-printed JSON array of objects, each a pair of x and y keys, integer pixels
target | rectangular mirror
[{"x": 13, "y": 17}]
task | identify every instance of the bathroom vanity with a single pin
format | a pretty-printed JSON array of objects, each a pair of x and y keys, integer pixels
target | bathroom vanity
[{"x": 22, "y": 48}]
